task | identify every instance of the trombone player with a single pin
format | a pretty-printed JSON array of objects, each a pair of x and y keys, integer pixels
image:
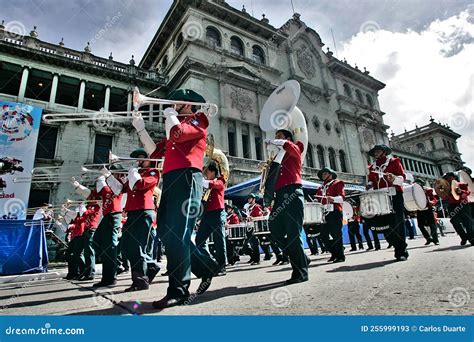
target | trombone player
[{"x": 184, "y": 148}]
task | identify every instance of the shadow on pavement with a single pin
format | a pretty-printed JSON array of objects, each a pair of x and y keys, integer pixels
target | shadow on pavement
[{"x": 363, "y": 267}]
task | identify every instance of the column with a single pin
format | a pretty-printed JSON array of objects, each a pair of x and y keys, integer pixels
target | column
[
  {"x": 24, "y": 81},
  {"x": 224, "y": 135},
  {"x": 253, "y": 148},
  {"x": 82, "y": 92},
  {"x": 54, "y": 89},
  {"x": 107, "y": 98},
  {"x": 238, "y": 135}
]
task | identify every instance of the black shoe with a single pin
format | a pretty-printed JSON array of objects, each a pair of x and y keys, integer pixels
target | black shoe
[
  {"x": 369, "y": 248},
  {"x": 166, "y": 302},
  {"x": 332, "y": 258},
  {"x": 471, "y": 242},
  {"x": 267, "y": 257},
  {"x": 121, "y": 270},
  {"x": 221, "y": 272},
  {"x": 165, "y": 274},
  {"x": 255, "y": 263},
  {"x": 250, "y": 261},
  {"x": 278, "y": 260},
  {"x": 436, "y": 243},
  {"x": 463, "y": 242},
  {"x": 205, "y": 283},
  {"x": 295, "y": 281},
  {"x": 314, "y": 253},
  {"x": 427, "y": 242},
  {"x": 135, "y": 288},
  {"x": 85, "y": 278},
  {"x": 361, "y": 246},
  {"x": 105, "y": 283},
  {"x": 69, "y": 277},
  {"x": 389, "y": 246},
  {"x": 401, "y": 258},
  {"x": 352, "y": 249},
  {"x": 339, "y": 260},
  {"x": 152, "y": 272}
]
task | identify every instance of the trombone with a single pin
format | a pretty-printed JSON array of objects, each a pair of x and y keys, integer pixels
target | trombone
[{"x": 139, "y": 100}]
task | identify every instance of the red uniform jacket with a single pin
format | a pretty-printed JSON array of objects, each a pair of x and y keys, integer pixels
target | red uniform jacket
[
  {"x": 356, "y": 216},
  {"x": 91, "y": 216},
  {"x": 290, "y": 171},
  {"x": 77, "y": 227},
  {"x": 331, "y": 188},
  {"x": 216, "y": 198},
  {"x": 233, "y": 219},
  {"x": 256, "y": 211},
  {"x": 186, "y": 146},
  {"x": 431, "y": 199},
  {"x": 141, "y": 197},
  {"x": 394, "y": 166},
  {"x": 110, "y": 202},
  {"x": 463, "y": 197}
]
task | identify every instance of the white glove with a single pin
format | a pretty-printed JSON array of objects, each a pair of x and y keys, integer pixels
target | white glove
[
  {"x": 171, "y": 120},
  {"x": 276, "y": 142},
  {"x": 82, "y": 191},
  {"x": 105, "y": 172},
  {"x": 205, "y": 184},
  {"x": 100, "y": 184},
  {"x": 138, "y": 122},
  {"x": 114, "y": 185},
  {"x": 133, "y": 177},
  {"x": 75, "y": 183},
  {"x": 398, "y": 180}
]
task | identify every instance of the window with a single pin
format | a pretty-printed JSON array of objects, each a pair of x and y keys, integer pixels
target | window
[
  {"x": 321, "y": 156},
  {"x": 231, "y": 140},
  {"x": 359, "y": 96},
  {"x": 236, "y": 46},
  {"x": 370, "y": 102},
  {"x": 103, "y": 144},
  {"x": 118, "y": 100},
  {"x": 164, "y": 64},
  {"x": 38, "y": 198},
  {"x": 347, "y": 91},
  {"x": 421, "y": 148},
  {"x": 258, "y": 55},
  {"x": 309, "y": 156},
  {"x": 179, "y": 41},
  {"x": 433, "y": 146},
  {"x": 342, "y": 157},
  {"x": 444, "y": 143},
  {"x": 39, "y": 85},
  {"x": 213, "y": 37},
  {"x": 68, "y": 91},
  {"x": 332, "y": 159},
  {"x": 46, "y": 147},
  {"x": 94, "y": 96},
  {"x": 10, "y": 78},
  {"x": 258, "y": 145},
  {"x": 246, "y": 142}
]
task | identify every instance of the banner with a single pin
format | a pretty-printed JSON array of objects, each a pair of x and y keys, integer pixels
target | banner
[{"x": 19, "y": 131}]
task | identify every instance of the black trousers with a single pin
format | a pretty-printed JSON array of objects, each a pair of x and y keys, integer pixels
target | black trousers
[
  {"x": 461, "y": 218},
  {"x": 354, "y": 232},
  {"x": 106, "y": 244},
  {"x": 366, "y": 229},
  {"x": 396, "y": 234},
  {"x": 425, "y": 218},
  {"x": 286, "y": 226},
  {"x": 333, "y": 227}
]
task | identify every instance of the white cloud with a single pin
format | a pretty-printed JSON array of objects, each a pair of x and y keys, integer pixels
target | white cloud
[{"x": 427, "y": 73}]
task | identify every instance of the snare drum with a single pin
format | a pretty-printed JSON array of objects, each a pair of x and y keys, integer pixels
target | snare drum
[
  {"x": 375, "y": 203},
  {"x": 347, "y": 211},
  {"x": 237, "y": 231},
  {"x": 313, "y": 213},
  {"x": 414, "y": 197},
  {"x": 260, "y": 225}
]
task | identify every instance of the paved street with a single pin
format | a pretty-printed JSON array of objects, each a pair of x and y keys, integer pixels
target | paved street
[{"x": 436, "y": 280}]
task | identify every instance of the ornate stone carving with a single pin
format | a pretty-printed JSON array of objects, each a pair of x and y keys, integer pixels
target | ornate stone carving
[
  {"x": 312, "y": 94},
  {"x": 242, "y": 101},
  {"x": 327, "y": 126},
  {"x": 305, "y": 61},
  {"x": 316, "y": 124},
  {"x": 337, "y": 128}
]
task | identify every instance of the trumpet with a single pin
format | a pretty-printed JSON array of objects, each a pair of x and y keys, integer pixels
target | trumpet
[
  {"x": 71, "y": 202},
  {"x": 139, "y": 100},
  {"x": 54, "y": 178}
]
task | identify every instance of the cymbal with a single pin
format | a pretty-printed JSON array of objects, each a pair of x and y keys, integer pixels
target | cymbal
[{"x": 442, "y": 188}]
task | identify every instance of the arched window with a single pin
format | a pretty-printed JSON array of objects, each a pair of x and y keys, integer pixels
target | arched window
[
  {"x": 258, "y": 55},
  {"x": 332, "y": 158},
  {"x": 342, "y": 158},
  {"x": 164, "y": 64},
  {"x": 347, "y": 91},
  {"x": 179, "y": 41},
  {"x": 309, "y": 156},
  {"x": 213, "y": 37},
  {"x": 370, "y": 102},
  {"x": 321, "y": 156},
  {"x": 359, "y": 96},
  {"x": 236, "y": 46}
]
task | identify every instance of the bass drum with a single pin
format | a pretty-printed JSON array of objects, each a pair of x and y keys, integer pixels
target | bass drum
[
  {"x": 465, "y": 178},
  {"x": 347, "y": 211},
  {"x": 414, "y": 197}
]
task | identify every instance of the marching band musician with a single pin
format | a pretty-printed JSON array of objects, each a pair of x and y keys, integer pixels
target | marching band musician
[
  {"x": 425, "y": 218},
  {"x": 332, "y": 193},
  {"x": 459, "y": 211},
  {"x": 286, "y": 220},
  {"x": 75, "y": 230},
  {"x": 140, "y": 208},
  {"x": 384, "y": 173},
  {"x": 253, "y": 209},
  {"x": 353, "y": 227},
  {"x": 183, "y": 150},
  {"x": 232, "y": 218},
  {"x": 214, "y": 217}
]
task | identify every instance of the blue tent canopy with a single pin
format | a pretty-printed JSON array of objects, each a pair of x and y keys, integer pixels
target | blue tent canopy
[{"x": 241, "y": 191}]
